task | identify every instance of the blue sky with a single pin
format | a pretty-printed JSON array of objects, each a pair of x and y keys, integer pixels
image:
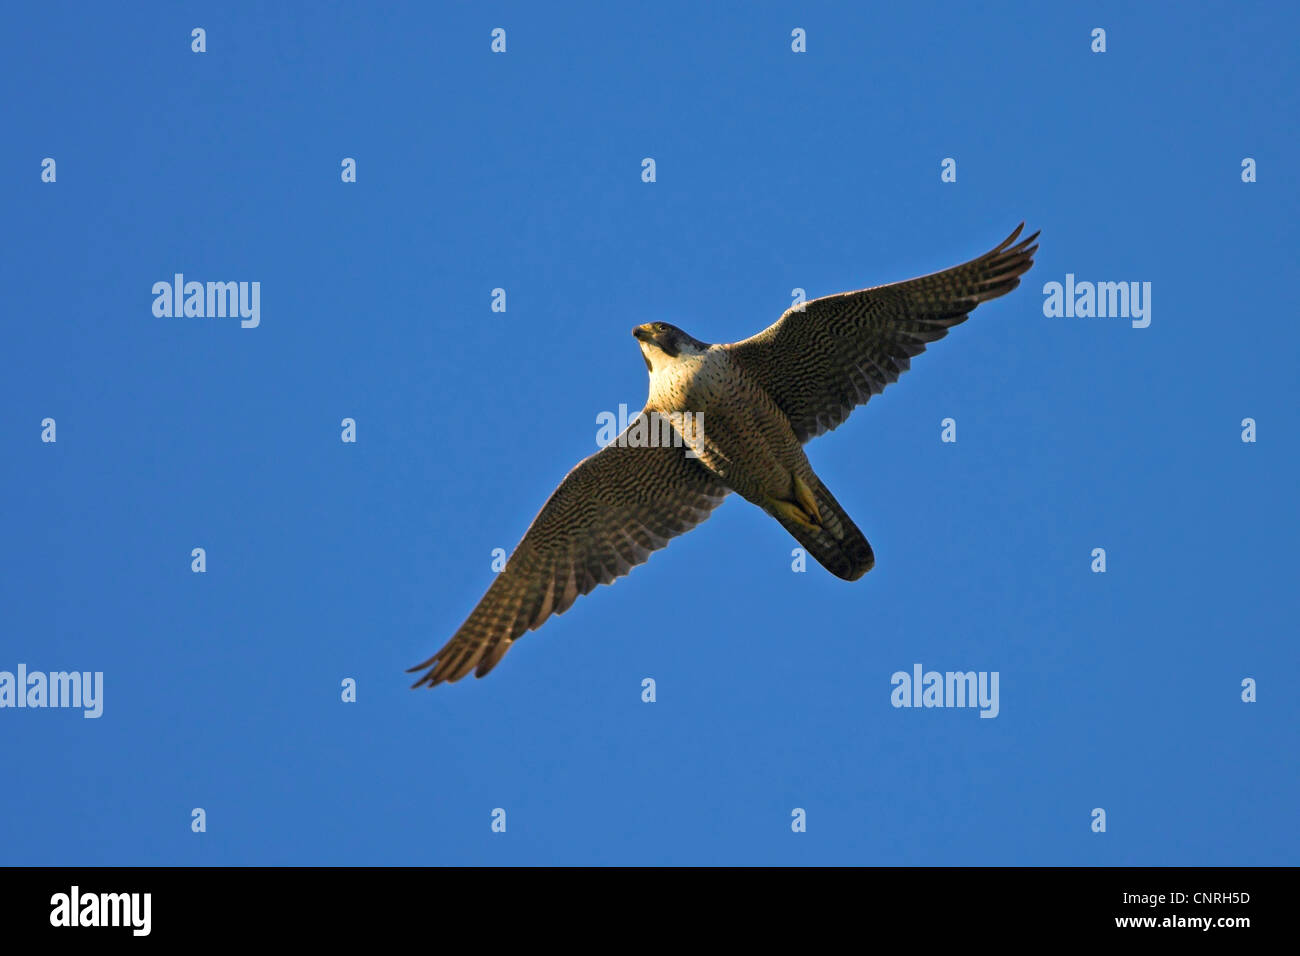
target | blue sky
[{"x": 774, "y": 170}]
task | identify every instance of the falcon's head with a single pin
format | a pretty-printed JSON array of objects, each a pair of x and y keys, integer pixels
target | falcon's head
[{"x": 661, "y": 342}]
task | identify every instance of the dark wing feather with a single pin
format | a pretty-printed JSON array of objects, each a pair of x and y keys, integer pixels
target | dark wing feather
[
  {"x": 609, "y": 514},
  {"x": 820, "y": 363}
]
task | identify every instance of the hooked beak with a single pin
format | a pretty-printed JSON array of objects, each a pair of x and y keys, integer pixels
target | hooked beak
[{"x": 642, "y": 333}]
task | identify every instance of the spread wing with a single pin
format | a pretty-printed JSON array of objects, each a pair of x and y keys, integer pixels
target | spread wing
[
  {"x": 610, "y": 512},
  {"x": 820, "y": 363}
]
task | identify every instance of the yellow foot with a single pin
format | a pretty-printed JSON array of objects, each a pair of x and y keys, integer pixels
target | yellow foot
[
  {"x": 805, "y": 497},
  {"x": 793, "y": 512}
]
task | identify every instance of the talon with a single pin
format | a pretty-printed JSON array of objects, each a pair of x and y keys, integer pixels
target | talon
[
  {"x": 792, "y": 512},
  {"x": 805, "y": 497}
]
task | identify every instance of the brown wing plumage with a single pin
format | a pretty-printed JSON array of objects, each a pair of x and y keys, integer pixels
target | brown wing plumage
[
  {"x": 822, "y": 362},
  {"x": 609, "y": 514}
]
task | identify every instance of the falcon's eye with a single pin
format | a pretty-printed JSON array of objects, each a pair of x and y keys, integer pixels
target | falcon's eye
[{"x": 660, "y": 327}]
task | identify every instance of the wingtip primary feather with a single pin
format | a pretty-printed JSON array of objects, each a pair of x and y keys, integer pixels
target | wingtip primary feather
[{"x": 1011, "y": 238}]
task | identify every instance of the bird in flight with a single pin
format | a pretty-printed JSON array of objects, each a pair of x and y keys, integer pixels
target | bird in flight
[{"x": 742, "y": 413}]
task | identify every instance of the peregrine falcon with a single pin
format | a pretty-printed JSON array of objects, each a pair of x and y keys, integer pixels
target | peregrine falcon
[{"x": 752, "y": 406}]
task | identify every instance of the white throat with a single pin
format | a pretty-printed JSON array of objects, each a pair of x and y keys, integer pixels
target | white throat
[{"x": 672, "y": 378}]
